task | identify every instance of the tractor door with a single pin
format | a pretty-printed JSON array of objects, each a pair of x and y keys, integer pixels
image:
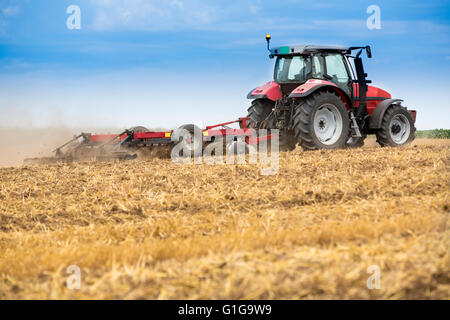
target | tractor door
[{"x": 332, "y": 67}]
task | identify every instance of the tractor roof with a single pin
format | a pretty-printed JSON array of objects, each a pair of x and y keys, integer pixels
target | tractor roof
[{"x": 305, "y": 49}]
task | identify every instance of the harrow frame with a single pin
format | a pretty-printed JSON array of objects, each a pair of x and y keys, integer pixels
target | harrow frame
[{"x": 100, "y": 147}]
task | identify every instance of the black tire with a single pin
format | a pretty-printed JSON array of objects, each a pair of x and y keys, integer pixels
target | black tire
[
  {"x": 304, "y": 116},
  {"x": 191, "y": 128},
  {"x": 139, "y": 129},
  {"x": 258, "y": 112},
  {"x": 387, "y": 135}
]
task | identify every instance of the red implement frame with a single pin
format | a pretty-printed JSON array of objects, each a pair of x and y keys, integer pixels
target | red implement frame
[
  {"x": 249, "y": 134},
  {"x": 119, "y": 146}
]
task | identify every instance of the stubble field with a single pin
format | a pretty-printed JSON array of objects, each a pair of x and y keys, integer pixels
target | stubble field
[{"x": 153, "y": 229}]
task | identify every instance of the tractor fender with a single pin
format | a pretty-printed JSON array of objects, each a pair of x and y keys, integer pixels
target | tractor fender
[
  {"x": 270, "y": 90},
  {"x": 377, "y": 115},
  {"x": 313, "y": 85}
]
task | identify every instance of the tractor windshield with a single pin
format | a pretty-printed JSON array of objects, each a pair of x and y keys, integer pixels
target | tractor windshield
[{"x": 292, "y": 69}]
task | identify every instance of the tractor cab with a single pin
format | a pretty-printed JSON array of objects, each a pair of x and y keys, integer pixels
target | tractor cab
[{"x": 297, "y": 64}]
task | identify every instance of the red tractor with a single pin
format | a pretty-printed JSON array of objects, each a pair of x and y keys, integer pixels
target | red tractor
[{"x": 318, "y": 100}]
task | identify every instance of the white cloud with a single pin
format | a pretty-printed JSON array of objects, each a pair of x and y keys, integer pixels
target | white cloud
[
  {"x": 236, "y": 16},
  {"x": 173, "y": 15},
  {"x": 7, "y": 12},
  {"x": 177, "y": 3},
  {"x": 11, "y": 10},
  {"x": 152, "y": 15}
]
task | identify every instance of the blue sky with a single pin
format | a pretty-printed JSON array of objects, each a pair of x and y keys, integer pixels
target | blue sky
[{"x": 165, "y": 63}]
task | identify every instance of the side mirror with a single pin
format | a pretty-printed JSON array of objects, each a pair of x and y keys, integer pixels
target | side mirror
[{"x": 368, "y": 52}]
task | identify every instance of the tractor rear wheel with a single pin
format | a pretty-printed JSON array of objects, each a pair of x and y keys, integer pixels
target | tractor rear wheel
[
  {"x": 258, "y": 113},
  {"x": 321, "y": 121},
  {"x": 397, "y": 127}
]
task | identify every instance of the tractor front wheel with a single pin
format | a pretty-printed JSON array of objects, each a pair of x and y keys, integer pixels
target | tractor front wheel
[
  {"x": 397, "y": 127},
  {"x": 259, "y": 112},
  {"x": 321, "y": 121}
]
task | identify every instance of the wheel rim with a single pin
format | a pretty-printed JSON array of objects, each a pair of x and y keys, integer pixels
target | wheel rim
[
  {"x": 328, "y": 124},
  {"x": 399, "y": 129}
]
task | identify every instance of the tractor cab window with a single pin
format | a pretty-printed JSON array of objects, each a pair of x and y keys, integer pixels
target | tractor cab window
[
  {"x": 331, "y": 67},
  {"x": 317, "y": 70},
  {"x": 292, "y": 69},
  {"x": 336, "y": 69}
]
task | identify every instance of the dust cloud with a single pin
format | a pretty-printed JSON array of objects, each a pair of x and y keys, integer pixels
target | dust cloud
[{"x": 16, "y": 144}]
